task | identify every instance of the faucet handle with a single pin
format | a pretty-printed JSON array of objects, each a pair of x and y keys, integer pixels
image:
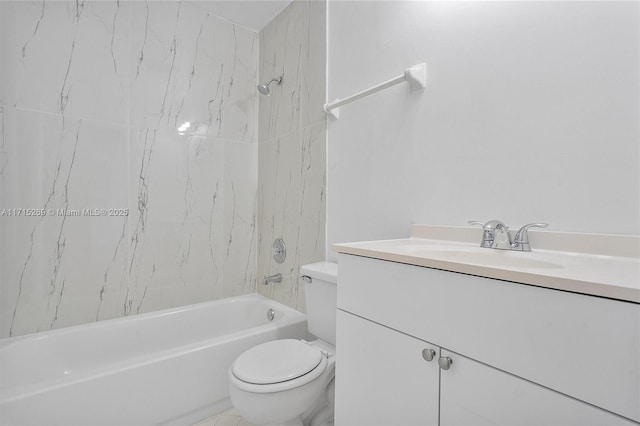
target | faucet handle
[
  {"x": 475, "y": 222},
  {"x": 521, "y": 239},
  {"x": 487, "y": 235}
]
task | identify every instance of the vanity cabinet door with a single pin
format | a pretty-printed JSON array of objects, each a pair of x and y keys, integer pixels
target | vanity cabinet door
[
  {"x": 472, "y": 393},
  {"x": 382, "y": 377}
]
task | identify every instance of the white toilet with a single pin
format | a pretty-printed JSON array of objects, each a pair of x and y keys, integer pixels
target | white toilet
[{"x": 291, "y": 381}]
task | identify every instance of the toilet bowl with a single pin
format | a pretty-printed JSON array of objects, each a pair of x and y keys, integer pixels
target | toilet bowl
[
  {"x": 284, "y": 382},
  {"x": 289, "y": 381}
]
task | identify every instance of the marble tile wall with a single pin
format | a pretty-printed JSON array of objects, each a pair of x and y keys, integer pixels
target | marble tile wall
[
  {"x": 91, "y": 94},
  {"x": 292, "y": 147}
]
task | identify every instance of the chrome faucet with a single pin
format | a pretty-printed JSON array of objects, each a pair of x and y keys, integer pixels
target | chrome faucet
[
  {"x": 276, "y": 278},
  {"x": 495, "y": 235},
  {"x": 521, "y": 240}
]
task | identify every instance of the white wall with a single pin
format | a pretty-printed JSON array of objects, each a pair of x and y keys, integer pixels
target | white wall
[{"x": 530, "y": 115}]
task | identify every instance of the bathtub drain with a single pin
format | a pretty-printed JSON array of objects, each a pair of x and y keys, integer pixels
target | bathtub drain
[{"x": 271, "y": 314}]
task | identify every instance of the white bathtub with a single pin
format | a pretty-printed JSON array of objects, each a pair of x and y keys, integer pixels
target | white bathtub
[{"x": 165, "y": 367}]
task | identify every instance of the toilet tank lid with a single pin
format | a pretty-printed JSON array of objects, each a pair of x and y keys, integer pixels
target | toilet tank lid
[{"x": 327, "y": 271}]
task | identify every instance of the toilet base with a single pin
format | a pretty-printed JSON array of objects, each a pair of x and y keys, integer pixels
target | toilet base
[
  {"x": 311, "y": 404},
  {"x": 324, "y": 417}
]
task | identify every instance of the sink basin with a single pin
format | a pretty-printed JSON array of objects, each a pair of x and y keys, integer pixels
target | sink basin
[
  {"x": 591, "y": 264},
  {"x": 480, "y": 256}
]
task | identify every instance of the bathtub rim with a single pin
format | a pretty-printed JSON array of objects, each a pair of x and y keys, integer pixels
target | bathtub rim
[{"x": 5, "y": 341}]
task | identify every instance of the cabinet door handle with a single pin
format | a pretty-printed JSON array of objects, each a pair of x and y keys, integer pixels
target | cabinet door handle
[
  {"x": 445, "y": 362},
  {"x": 428, "y": 354}
]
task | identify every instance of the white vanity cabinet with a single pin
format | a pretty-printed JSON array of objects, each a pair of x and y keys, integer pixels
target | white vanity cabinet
[
  {"x": 522, "y": 355},
  {"x": 472, "y": 393},
  {"x": 390, "y": 378}
]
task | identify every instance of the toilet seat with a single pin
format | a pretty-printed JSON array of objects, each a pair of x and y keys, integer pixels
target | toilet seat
[{"x": 277, "y": 366}]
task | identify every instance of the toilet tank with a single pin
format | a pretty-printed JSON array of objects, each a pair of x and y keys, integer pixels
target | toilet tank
[{"x": 319, "y": 281}]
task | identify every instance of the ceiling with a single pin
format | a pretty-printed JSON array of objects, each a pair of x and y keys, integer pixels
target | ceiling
[{"x": 253, "y": 14}]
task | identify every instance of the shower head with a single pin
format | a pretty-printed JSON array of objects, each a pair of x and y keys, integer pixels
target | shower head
[{"x": 264, "y": 88}]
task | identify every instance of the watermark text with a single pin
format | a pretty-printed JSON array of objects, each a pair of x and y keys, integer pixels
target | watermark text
[{"x": 29, "y": 212}]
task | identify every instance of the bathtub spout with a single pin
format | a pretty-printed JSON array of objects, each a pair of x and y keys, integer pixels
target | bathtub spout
[{"x": 277, "y": 278}]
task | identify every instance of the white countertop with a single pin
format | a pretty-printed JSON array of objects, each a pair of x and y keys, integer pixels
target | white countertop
[{"x": 592, "y": 264}]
